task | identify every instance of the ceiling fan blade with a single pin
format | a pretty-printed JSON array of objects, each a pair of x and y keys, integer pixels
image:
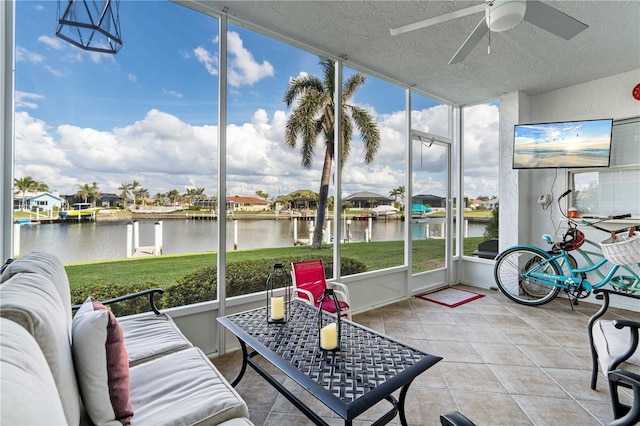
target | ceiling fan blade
[
  {"x": 472, "y": 41},
  {"x": 439, "y": 19},
  {"x": 551, "y": 19}
]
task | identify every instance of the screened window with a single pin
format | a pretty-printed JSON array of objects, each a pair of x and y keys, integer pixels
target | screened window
[{"x": 614, "y": 190}]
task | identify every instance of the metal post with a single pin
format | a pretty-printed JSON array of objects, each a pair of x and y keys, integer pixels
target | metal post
[
  {"x": 295, "y": 230},
  {"x": 129, "y": 239},
  {"x": 235, "y": 234},
  {"x": 16, "y": 240},
  {"x": 370, "y": 228},
  {"x": 136, "y": 235},
  {"x": 157, "y": 249}
]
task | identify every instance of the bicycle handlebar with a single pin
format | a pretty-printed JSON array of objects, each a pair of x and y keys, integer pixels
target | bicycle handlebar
[{"x": 592, "y": 224}]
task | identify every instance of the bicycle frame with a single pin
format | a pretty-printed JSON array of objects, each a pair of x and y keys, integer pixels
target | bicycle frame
[
  {"x": 574, "y": 276},
  {"x": 633, "y": 278}
]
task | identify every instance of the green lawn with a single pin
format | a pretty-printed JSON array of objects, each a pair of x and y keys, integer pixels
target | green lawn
[{"x": 165, "y": 270}]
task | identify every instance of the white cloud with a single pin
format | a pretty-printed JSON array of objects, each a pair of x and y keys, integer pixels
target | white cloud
[
  {"x": 172, "y": 93},
  {"x": 23, "y": 99},
  {"x": 52, "y": 42},
  {"x": 209, "y": 61},
  {"x": 163, "y": 152},
  {"x": 132, "y": 77},
  {"x": 243, "y": 68},
  {"x": 23, "y": 54}
]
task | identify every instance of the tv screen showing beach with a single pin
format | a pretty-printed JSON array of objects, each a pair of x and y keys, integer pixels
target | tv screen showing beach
[{"x": 573, "y": 144}]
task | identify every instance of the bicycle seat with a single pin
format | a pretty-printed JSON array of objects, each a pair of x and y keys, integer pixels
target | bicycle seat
[{"x": 552, "y": 239}]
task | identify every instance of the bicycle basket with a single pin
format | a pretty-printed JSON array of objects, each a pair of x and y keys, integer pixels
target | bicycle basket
[{"x": 624, "y": 251}]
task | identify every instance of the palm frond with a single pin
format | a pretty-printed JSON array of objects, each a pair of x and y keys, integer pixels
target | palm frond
[
  {"x": 368, "y": 129},
  {"x": 347, "y": 136},
  {"x": 299, "y": 86},
  {"x": 328, "y": 71},
  {"x": 352, "y": 84}
]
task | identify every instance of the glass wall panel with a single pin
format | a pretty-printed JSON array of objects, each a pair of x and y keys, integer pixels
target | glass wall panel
[
  {"x": 373, "y": 176},
  {"x": 480, "y": 137},
  {"x": 273, "y": 178},
  {"x": 431, "y": 127},
  {"x": 130, "y": 136}
]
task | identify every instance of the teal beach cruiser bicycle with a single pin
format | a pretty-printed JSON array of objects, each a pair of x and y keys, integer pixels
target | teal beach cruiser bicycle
[{"x": 532, "y": 276}]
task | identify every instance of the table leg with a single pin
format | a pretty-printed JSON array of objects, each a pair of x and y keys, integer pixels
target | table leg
[
  {"x": 243, "y": 345},
  {"x": 403, "y": 394}
]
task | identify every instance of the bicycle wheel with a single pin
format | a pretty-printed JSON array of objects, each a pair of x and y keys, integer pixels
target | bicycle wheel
[{"x": 513, "y": 263}]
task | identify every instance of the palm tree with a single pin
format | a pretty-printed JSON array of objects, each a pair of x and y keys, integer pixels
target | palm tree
[
  {"x": 313, "y": 116},
  {"x": 397, "y": 193},
  {"x": 133, "y": 187},
  {"x": 173, "y": 195},
  {"x": 125, "y": 191},
  {"x": 84, "y": 192},
  {"x": 23, "y": 185},
  {"x": 142, "y": 194},
  {"x": 95, "y": 193}
]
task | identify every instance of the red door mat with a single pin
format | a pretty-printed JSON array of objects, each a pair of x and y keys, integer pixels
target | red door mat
[{"x": 450, "y": 296}]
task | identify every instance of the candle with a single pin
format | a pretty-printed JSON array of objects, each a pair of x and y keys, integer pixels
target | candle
[
  {"x": 329, "y": 337},
  {"x": 277, "y": 308}
]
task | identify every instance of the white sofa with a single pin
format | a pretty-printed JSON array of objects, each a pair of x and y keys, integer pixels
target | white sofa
[{"x": 171, "y": 382}]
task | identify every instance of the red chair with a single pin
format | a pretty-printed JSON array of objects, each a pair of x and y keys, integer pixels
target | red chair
[{"x": 309, "y": 284}]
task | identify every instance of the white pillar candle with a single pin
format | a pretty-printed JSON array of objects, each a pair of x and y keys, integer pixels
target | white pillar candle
[
  {"x": 329, "y": 337},
  {"x": 277, "y": 308}
]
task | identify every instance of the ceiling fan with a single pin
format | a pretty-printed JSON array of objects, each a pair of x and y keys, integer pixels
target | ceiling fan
[{"x": 501, "y": 15}]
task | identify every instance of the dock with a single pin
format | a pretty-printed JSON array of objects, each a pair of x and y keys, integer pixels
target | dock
[{"x": 144, "y": 251}]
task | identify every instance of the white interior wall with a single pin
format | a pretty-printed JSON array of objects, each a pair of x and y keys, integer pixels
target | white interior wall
[
  {"x": 522, "y": 219},
  {"x": 520, "y": 214}
]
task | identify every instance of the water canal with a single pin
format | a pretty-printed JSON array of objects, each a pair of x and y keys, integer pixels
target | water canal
[{"x": 73, "y": 242}]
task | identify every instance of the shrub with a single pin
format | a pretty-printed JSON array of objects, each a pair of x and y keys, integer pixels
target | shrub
[{"x": 243, "y": 277}]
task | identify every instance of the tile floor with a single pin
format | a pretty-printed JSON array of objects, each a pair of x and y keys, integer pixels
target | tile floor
[{"x": 504, "y": 364}]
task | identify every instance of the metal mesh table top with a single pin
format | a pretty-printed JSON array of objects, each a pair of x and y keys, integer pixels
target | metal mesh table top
[{"x": 367, "y": 362}]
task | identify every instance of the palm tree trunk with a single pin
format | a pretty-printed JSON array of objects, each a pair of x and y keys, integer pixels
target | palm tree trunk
[{"x": 322, "y": 198}]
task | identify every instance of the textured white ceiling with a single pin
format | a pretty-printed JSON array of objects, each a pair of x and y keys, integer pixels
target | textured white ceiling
[{"x": 524, "y": 58}]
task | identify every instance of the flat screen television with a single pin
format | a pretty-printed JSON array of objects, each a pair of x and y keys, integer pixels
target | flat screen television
[{"x": 569, "y": 144}]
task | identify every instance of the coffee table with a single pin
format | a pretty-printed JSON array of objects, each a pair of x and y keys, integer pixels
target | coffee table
[{"x": 368, "y": 368}]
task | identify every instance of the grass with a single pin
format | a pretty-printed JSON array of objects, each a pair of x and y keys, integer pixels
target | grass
[{"x": 165, "y": 270}]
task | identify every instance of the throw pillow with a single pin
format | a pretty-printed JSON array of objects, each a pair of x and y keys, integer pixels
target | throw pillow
[{"x": 101, "y": 364}]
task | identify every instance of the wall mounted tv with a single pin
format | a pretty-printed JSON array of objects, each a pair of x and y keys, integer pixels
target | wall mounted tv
[{"x": 570, "y": 144}]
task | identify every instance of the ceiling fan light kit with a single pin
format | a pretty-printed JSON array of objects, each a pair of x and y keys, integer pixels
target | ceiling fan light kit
[{"x": 504, "y": 15}]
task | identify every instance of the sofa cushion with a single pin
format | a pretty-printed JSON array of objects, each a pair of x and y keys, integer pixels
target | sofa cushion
[
  {"x": 102, "y": 365},
  {"x": 32, "y": 301},
  {"x": 151, "y": 336},
  {"x": 49, "y": 266},
  {"x": 611, "y": 342},
  {"x": 29, "y": 395},
  {"x": 183, "y": 388}
]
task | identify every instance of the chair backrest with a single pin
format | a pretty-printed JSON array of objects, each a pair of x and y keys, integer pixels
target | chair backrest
[{"x": 309, "y": 275}]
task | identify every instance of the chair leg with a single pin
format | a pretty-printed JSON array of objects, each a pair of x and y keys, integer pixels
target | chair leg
[
  {"x": 624, "y": 415},
  {"x": 454, "y": 418}
]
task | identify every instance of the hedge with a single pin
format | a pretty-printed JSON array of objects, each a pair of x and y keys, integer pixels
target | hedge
[{"x": 243, "y": 277}]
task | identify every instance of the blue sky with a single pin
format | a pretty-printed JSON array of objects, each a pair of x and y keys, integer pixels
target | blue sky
[{"x": 149, "y": 112}]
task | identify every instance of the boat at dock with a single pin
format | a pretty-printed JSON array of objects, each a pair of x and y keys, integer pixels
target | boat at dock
[{"x": 79, "y": 211}]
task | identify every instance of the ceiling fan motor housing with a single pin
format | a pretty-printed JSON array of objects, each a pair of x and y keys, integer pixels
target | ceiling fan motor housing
[{"x": 503, "y": 15}]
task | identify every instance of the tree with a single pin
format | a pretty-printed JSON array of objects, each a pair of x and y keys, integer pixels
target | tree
[
  {"x": 125, "y": 191},
  {"x": 133, "y": 187},
  {"x": 85, "y": 191},
  {"x": 23, "y": 185},
  {"x": 313, "y": 116},
  {"x": 491, "y": 228},
  {"x": 173, "y": 195},
  {"x": 262, "y": 194},
  {"x": 142, "y": 194},
  {"x": 397, "y": 193}
]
